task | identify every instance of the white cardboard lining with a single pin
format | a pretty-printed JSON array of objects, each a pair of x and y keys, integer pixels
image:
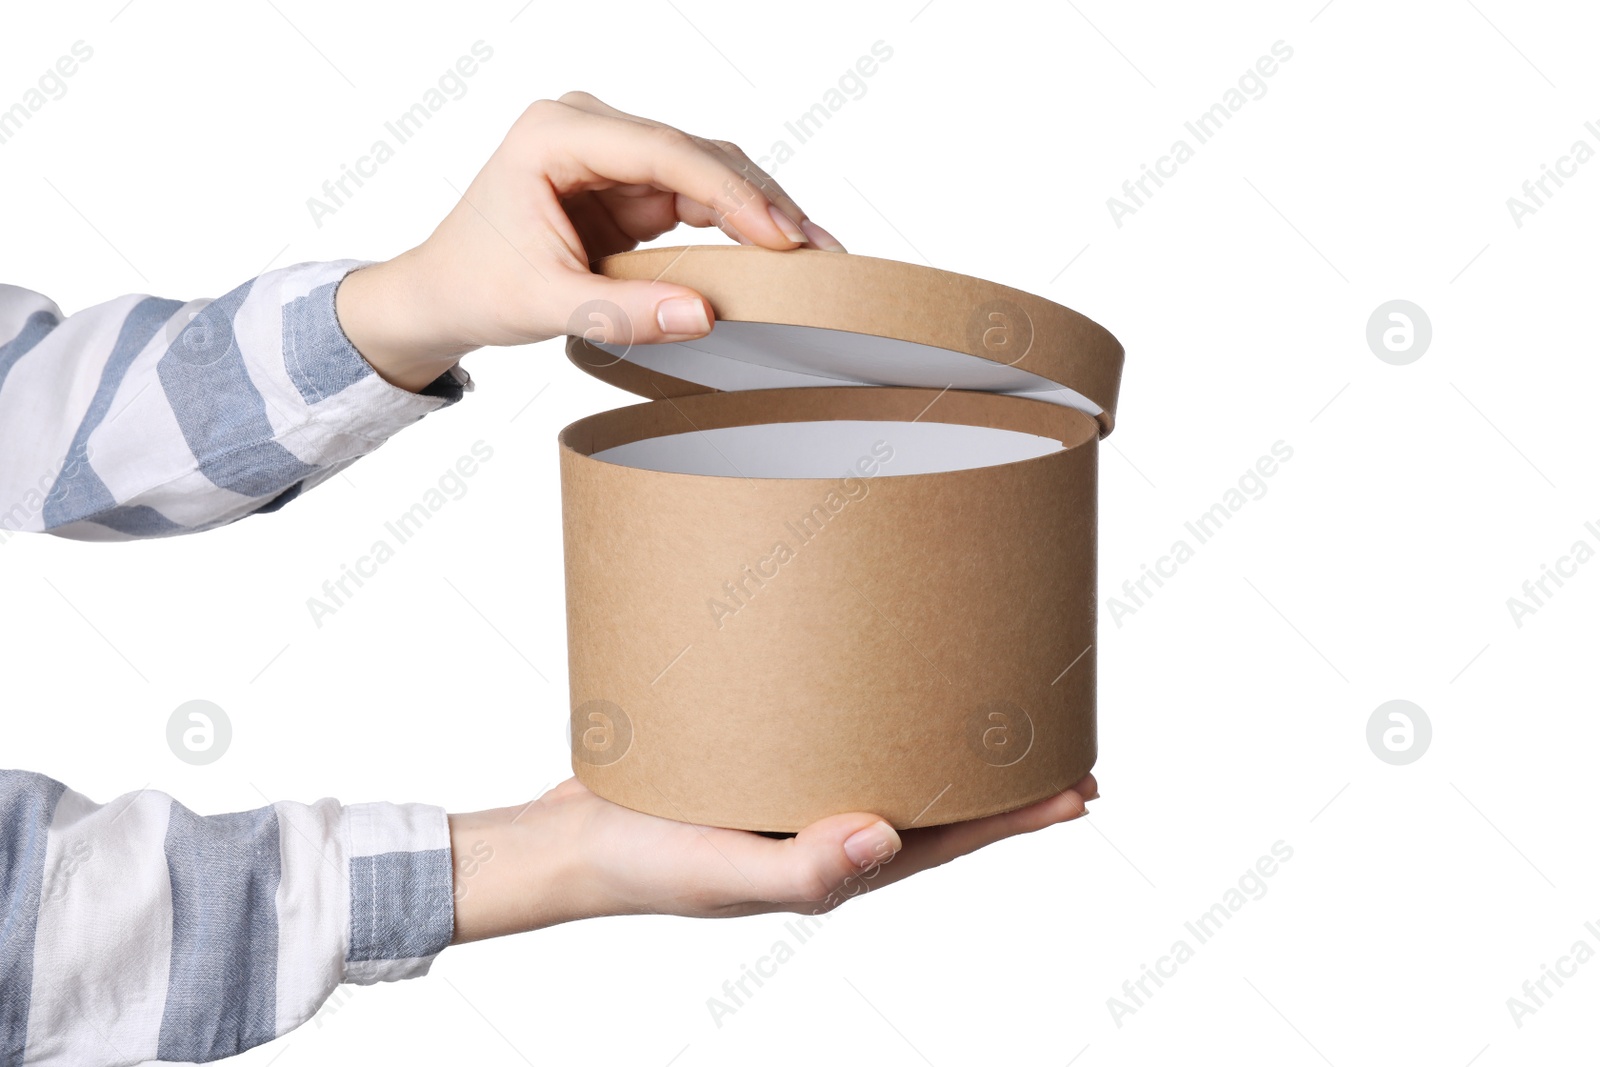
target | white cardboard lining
[
  {"x": 764, "y": 355},
  {"x": 830, "y": 449}
]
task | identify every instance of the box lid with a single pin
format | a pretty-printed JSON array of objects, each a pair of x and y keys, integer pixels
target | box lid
[{"x": 807, "y": 318}]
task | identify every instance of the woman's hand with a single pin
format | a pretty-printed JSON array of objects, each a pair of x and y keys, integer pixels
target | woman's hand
[
  {"x": 573, "y": 181},
  {"x": 571, "y": 855}
]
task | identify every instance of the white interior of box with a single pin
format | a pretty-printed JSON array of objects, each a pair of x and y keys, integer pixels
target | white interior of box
[
  {"x": 765, "y": 355},
  {"x": 833, "y": 449}
]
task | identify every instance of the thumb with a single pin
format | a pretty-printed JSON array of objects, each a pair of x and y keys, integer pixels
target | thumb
[
  {"x": 829, "y": 859},
  {"x": 619, "y": 312}
]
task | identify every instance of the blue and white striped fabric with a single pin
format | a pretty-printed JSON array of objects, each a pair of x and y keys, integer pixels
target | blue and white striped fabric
[
  {"x": 138, "y": 930},
  {"x": 145, "y": 417}
]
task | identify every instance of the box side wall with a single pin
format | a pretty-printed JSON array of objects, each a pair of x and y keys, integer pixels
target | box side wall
[{"x": 763, "y": 653}]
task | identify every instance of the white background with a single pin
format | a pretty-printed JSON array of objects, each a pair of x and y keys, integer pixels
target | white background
[{"x": 1233, "y": 705}]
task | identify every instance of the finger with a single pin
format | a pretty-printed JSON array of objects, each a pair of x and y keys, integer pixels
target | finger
[
  {"x": 741, "y": 162},
  {"x": 614, "y": 311},
  {"x": 815, "y": 234},
  {"x": 816, "y": 868},
  {"x": 937, "y": 845},
  {"x": 595, "y": 106},
  {"x": 843, "y": 856},
  {"x": 603, "y": 233},
  {"x": 698, "y": 215},
  {"x": 644, "y": 212},
  {"x": 944, "y": 843},
  {"x": 583, "y": 150},
  {"x": 624, "y": 202}
]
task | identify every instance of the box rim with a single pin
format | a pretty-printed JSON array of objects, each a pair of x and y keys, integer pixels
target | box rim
[{"x": 1070, "y": 418}]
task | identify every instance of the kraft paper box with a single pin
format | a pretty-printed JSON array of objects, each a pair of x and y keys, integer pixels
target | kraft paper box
[{"x": 843, "y": 558}]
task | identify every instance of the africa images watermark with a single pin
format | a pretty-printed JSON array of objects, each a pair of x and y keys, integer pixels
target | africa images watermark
[
  {"x": 1137, "y": 592},
  {"x": 451, "y": 85},
  {"x": 56, "y": 882},
  {"x": 54, "y": 486},
  {"x": 1537, "y": 592},
  {"x": 1537, "y": 191},
  {"x": 1536, "y": 991},
  {"x": 1251, "y": 885},
  {"x": 451, "y": 485},
  {"x": 851, "y": 85},
  {"x": 753, "y": 577},
  {"x": 50, "y": 86},
  {"x": 737, "y": 992},
  {"x": 1252, "y": 85}
]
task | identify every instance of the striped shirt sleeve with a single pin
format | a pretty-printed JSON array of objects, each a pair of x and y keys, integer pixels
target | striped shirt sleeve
[
  {"x": 138, "y": 930},
  {"x": 145, "y": 417}
]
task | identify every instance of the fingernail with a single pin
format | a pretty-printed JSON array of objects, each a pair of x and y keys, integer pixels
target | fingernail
[
  {"x": 873, "y": 845},
  {"x": 790, "y": 228},
  {"x": 821, "y": 238},
  {"x": 683, "y": 315}
]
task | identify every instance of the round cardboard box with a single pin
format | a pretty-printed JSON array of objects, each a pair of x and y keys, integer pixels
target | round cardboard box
[
  {"x": 888, "y": 613},
  {"x": 844, "y": 559}
]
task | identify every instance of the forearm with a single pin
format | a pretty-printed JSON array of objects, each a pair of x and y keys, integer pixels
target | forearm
[{"x": 514, "y": 870}]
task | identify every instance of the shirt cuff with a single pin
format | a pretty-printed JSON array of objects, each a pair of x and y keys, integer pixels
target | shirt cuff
[
  {"x": 402, "y": 904},
  {"x": 332, "y": 377}
]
